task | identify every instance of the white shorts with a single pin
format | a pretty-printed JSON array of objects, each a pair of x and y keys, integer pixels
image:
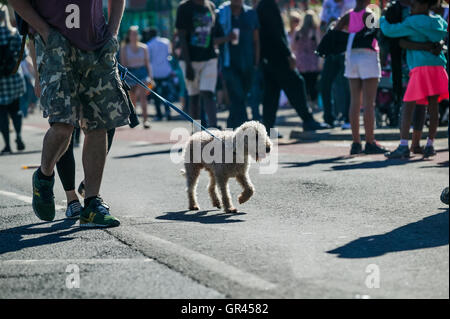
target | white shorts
[
  {"x": 362, "y": 64},
  {"x": 205, "y": 76}
]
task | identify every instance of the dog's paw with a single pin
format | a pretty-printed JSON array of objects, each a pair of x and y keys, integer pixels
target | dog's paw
[
  {"x": 231, "y": 210},
  {"x": 195, "y": 207},
  {"x": 242, "y": 199},
  {"x": 217, "y": 205}
]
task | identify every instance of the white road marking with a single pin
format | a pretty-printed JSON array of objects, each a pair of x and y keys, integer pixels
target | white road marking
[
  {"x": 211, "y": 264},
  {"x": 26, "y": 199},
  {"x": 90, "y": 261},
  {"x": 230, "y": 272}
]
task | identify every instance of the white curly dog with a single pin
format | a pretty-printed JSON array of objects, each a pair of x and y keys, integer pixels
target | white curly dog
[{"x": 224, "y": 158}]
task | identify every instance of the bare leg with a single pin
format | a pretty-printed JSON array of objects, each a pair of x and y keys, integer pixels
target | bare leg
[
  {"x": 416, "y": 136},
  {"x": 249, "y": 189},
  {"x": 94, "y": 157},
  {"x": 212, "y": 190},
  {"x": 433, "y": 110},
  {"x": 369, "y": 92},
  {"x": 141, "y": 94},
  {"x": 71, "y": 196},
  {"x": 355, "y": 107},
  {"x": 192, "y": 174},
  {"x": 418, "y": 123},
  {"x": 56, "y": 142},
  {"x": 407, "y": 114}
]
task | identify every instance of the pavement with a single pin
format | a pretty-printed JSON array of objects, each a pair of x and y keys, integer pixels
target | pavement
[{"x": 324, "y": 225}]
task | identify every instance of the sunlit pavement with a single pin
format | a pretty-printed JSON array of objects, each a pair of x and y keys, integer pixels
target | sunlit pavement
[{"x": 323, "y": 225}]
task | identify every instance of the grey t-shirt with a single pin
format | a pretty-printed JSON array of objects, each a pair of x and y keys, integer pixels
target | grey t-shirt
[{"x": 81, "y": 21}]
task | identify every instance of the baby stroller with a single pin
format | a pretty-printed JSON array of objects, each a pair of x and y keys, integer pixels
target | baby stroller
[{"x": 384, "y": 100}]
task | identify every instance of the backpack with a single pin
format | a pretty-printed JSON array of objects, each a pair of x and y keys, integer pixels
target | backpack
[
  {"x": 11, "y": 60},
  {"x": 8, "y": 58}
]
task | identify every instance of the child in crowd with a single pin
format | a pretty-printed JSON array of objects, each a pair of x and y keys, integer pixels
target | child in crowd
[
  {"x": 304, "y": 44},
  {"x": 428, "y": 83},
  {"x": 362, "y": 68}
]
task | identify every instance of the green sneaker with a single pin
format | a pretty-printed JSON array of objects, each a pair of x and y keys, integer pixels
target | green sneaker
[
  {"x": 97, "y": 215},
  {"x": 43, "y": 198}
]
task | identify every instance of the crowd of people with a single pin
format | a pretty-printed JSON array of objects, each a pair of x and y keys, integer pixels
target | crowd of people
[
  {"x": 235, "y": 54},
  {"x": 248, "y": 55}
]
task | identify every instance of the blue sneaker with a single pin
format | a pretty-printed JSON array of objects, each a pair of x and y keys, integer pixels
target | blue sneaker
[{"x": 73, "y": 210}]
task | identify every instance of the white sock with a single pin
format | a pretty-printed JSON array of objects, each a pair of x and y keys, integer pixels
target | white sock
[
  {"x": 404, "y": 142},
  {"x": 430, "y": 142}
]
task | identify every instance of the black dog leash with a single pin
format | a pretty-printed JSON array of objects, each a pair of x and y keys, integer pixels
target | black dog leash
[{"x": 124, "y": 73}]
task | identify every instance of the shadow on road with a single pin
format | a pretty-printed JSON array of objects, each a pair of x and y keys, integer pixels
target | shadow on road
[
  {"x": 375, "y": 164},
  {"x": 202, "y": 217},
  {"x": 21, "y": 153},
  {"x": 143, "y": 154},
  {"x": 11, "y": 239},
  {"x": 332, "y": 160},
  {"x": 429, "y": 232},
  {"x": 438, "y": 165}
]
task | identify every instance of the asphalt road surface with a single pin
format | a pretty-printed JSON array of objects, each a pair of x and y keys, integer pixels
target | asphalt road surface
[{"x": 325, "y": 225}]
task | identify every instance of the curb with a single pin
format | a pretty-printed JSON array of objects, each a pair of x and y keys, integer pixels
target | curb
[{"x": 339, "y": 135}]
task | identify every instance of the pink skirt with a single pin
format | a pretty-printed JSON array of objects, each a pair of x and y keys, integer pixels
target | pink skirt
[{"x": 425, "y": 81}]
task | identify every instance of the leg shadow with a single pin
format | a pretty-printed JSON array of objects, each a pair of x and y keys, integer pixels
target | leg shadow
[
  {"x": 202, "y": 217},
  {"x": 12, "y": 239}
]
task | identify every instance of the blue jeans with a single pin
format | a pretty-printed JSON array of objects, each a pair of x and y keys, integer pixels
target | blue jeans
[
  {"x": 256, "y": 94},
  {"x": 333, "y": 75},
  {"x": 238, "y": 85}
]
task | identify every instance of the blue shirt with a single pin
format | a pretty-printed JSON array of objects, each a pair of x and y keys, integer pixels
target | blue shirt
[
  {"x": 419, "y": 28},
  {"x": 239, "y": 56}
]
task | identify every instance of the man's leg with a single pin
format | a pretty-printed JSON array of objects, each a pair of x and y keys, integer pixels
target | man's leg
[
  {"x": 194, "y": 107},
  {"x": 207, "y": 85},
  {"x": 236, "y": 91},
  {"x": 271, "y": 98},
  {"x": 94, "y": 157},
  {"x": 56, "y": 142},
  {"x": 256, "y": 94},
  {"x": 208, "y": 102},
  {"x": 293, "y": 85},
  {"x": 329, "y": 73},
  {"x": 342, "y": 100}
]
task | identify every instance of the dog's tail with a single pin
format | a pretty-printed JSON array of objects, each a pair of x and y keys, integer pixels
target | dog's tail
[{"x": 183, "y": 172}]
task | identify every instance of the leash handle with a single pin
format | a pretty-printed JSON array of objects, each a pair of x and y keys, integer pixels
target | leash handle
[{"x": 125, "y": 72}]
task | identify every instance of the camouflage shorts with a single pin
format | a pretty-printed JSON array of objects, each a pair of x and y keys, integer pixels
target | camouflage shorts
[{"x": 81, "y": 88}]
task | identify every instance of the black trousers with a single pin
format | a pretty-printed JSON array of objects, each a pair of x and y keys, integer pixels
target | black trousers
[
  {"x": 277, "y": 78},
  {"x": 13, "y": 110},
  {"x": 311, "y": 84}
]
